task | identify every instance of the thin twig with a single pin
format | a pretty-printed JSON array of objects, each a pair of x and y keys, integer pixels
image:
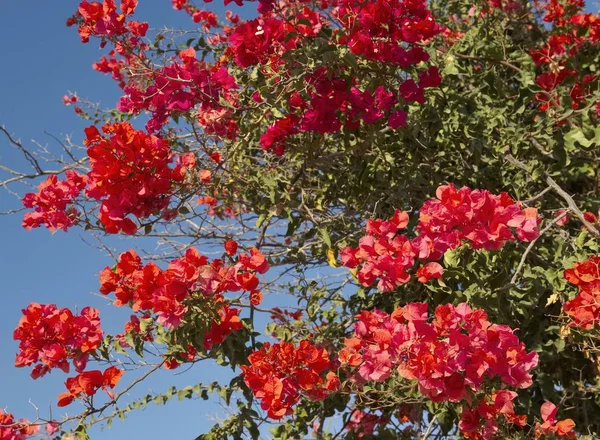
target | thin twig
[
  {"x": 429, "y": 428},
  {"x": 561, "y": 192},
  {"x": 530, "y": 247}
]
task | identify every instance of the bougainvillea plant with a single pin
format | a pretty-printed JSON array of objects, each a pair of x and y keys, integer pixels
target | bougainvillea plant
[{"x": 381, "y": 215}]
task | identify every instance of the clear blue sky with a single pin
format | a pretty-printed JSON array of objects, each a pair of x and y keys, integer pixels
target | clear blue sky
[{"x": 42, "y": 60}]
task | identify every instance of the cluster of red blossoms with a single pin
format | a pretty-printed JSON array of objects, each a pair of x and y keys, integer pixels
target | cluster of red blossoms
[
  {"x": 481, "y": 422},
  {"x": 10, "y": 429},
  {"x": 50, "y": 337},
  {"x": 381, "y": 31},
  {"x": 130, "y": 174},
  {"x": 182, "y": 86},
  {"x": 477, "y": 217},
  {"x": 103, "y": 20},
  {"x": 451, "y": 356},
  {"x": 279, "y": 373},
  {"x": 584, "y": 309},
  {"x": 165, "y": 292},
  {"x": 377, "y": 31},
  {"x": 332, "y": 106},
  {"x": 88, "y": 382},
  {"x": 572, "y": 30},
  {"x": 389, "y": 31},
  {"x": 265, "y": 39},
  {"x": 52, "y": 204}
]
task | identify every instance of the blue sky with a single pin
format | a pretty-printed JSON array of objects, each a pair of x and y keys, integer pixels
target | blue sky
[{"x": 43, "y": 59}]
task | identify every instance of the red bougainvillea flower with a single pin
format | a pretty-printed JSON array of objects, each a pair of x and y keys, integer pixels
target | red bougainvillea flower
[
  {"x": 276, "y": 134},
  {"x": 49, "y": 337},
  {"x": 148, "y": 288},
  {"x": 255, "y": 41},
  {"x": 130, "y": 174},
  {"x": 563, "y": 428},
  {"x": 477, "y": 217},
  {"x": 88, "y": 382},
  {"x": 256, "y": 297},
  {"x": 383, "y": 30},
  {"x": 590, "y": 217},
  {"x": 10, "y": 429},
  {"x": 449, "y": 357},
  {"x": 564, "y": 219},
  {"x": 105, "y": 20},
  {"x": 570, "y": 31},
  {"x": 227, "y": 322},
  {"x": 279, "y": 374},
  {"x": 113, "y": 66},
  {"x": 181, "y": 86},
  {"x": 69, "y": 100},
  {"x": 231, "y": 247},
  {"x": 584, "y": 309},
  {"x": 52, "y": 204},
  {"x": 429, "y": 271},
  {"x": 51, "y": 428}
]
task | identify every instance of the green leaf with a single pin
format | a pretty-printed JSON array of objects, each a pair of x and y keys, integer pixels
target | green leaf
[
  {"x": 261, "y": 219},
  {"x": 325, "y": 236}
]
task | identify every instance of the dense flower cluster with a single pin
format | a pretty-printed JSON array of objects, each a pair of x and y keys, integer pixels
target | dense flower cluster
[
  {"x": 390, "y": 31},
  {"x": 52, "y": 204},
  {"x": 584, "y": 309},
  {"x": 278, "y": 374},
  {"x": 10, "y": 429},
  {"x": 49, "y": 337},
  {"x": 450, "y": 356},
  {"x": 477, "y": 217},
  {"x": 332, "y": 106},
  {"x": 130, "y": 174},
  {"x": 104, "y": 20},
  {"x": 260, "y": 40},
  {"x": 88, "y": 382},
  {"x": 165, "y": 292},
  {"x": 455, "y": 355},
  {"x": 381, "y": 31},
  {"x": 387, "y": 31},
  {"x": 181, "y": 87}
]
